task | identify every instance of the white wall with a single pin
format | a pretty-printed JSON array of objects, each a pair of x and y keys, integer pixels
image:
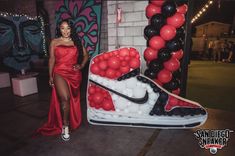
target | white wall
[{"x": 130, "y": 32}]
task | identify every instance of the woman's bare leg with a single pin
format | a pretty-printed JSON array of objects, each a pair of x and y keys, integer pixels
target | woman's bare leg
[{"x": 63, "y": 94}]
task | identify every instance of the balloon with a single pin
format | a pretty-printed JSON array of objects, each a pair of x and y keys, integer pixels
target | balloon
[
  {"x": 163, "y": 97},
  {"x": 181, "y": 2},
  {"x": 155, "y": 65},
  {"x": 98, "y": 97},
  {"x": 107, "y": 105},
  {"x": 156, "y": 42},
  {"x": 172, "y": 64},
  {"x": 91, "y": 90},
  {"x": 158, "y": 82},
  {"x": 176, "y": 91},
  {"x": 168, "y": 8},
  {"x": 173, "y": 101},
  {"x": 124, "y": 52},
  {"x": 157, "y": 21},
  {"x": 177, "y": 54},
  {"x": 172, "y": 85},
  {"x": 134, "y": 63},
  {"x": 164, "y": 54},
  {"x": 103, "y": 65},
  {"x": 110, "y": 73},
  {"x": 164, "y": 76},
  {"x": 174, "y": 45},
  {"x": 168, "y": 32},
  {"x": 152, "y": 10},
  {"x": 150, "y": 73},
  {"x": 150, "y": 54},
  {"x": 95, "y": 69},
  {"x": 150, "y": 31},
  {"x": 180, "y": 33},
  {"x": 139, "y": 92},
  {"x": 133, "y": 52},
  {"x": 125, "y": 69},
  {"x": 157, "y": 2},
  {"x": 182, "y": 9},
  {"x": 177, "y": 74},
  {"x": 114, "y": 62},
  {"x": 177, "y": 20}
]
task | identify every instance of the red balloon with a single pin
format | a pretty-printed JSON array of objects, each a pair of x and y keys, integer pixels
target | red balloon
[
  {"x": 106, "y": 56},
  {"x": 182, "y": 9},
  {"x": 173, "y": 101},
  {"x": 96, "y": 59},
  {"x": 91, "y": 90},
  {"x": 114, "y": 62},
  {"x": 177, "y": 54},
  {"x": 95, "y": 69},
  {"x": 127, "y": 58},
  {"x": 164, "y": 76},
  {"x": 152, "y": 10},
  {"x": 156, "y": 42},
  {"x": 124, "y": 52},
  {"x": 103, "y": 65},
  {"x": 134, "y": 63},
  {"x": 118, "y": 74},
  {"x": 124, "y": 63},
  {"x": 150, "y": 54},
  {"x": 158, "y": 82},
  {"x": 172, "y": 65},
  {"x": 168, "y": 32},
  {"x": 157, "y": 2},
  {"x": 107, "y": 105},
  {"x": 176, "y": 92},
  {"x": 133, "y": 52},
  {"x": 177, "y": 20},
  {"x": 125, "y": 69},
  {"x": 110, "y": 73},
  {"x": 98, "y": 97}
]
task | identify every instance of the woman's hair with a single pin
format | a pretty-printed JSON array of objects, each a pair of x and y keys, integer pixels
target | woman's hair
[{"x": 75, "y": 38}]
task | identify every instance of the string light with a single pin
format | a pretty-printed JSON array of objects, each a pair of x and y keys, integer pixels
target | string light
[
  {"x": 6, "y": 14},
  {"x": 202, "y": 10}
]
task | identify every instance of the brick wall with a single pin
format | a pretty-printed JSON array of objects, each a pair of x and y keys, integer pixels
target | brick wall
[
  {"x": 104, "y": 28},
  {"x": 130, "y": 32}
]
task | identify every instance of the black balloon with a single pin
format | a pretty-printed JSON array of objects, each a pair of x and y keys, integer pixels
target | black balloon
[
  {"x": 181, "y": 2},
  {"x": 172, "y": 85},
  {"x": 180, "y": 33},
  {"x": 164, "y": 54},
  {"x": 157, "y": 21},
  {"x": 177, "y": 74},
  {"x": 150, "y": 73},
  {"x": 168, "y": 8},
  {"x": 155, "y": 65},
  {"x": 174, "y": 45},
  {"x": 149, "y": 32},
  {"x": 163, "y": 97}
]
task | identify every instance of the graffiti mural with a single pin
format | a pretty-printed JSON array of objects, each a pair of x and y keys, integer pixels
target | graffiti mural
[
  {"x": 86, "y": 17},
  {"x": 22, "y": 40}
]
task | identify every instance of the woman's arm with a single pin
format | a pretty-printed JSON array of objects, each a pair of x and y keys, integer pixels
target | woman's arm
[{"x": 51, "y": 62}]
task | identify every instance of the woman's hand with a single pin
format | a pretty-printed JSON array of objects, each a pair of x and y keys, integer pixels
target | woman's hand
[
  {"x": 51, "y": 81},
  {"x": 77, "y": 67}
]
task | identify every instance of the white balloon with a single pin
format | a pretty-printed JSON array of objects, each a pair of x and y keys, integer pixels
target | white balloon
[
  {"x": 139, "y": 92},
  {"x": 133, "y": 108},
  {"x": 121, "y": 103},
  {"x": 131, "y": 83}
]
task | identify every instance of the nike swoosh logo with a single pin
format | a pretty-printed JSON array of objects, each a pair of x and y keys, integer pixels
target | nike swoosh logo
[{"x": 135, "y": 100}]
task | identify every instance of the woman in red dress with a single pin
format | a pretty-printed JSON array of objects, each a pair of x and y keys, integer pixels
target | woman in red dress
[{"x": 67, "y": 58}]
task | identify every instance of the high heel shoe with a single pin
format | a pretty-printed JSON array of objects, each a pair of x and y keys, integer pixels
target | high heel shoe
[
  {"x": 132, "y": 99},
  {"x": 65, "y": 133}
]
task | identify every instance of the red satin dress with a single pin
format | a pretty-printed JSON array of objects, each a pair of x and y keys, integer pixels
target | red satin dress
[{"x": 65, "y": 58}]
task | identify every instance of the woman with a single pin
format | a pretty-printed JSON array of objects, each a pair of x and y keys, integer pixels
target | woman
[{"x": 67, "y": 58}]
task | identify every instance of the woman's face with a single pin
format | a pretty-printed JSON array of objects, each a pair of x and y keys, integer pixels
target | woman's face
[{"x": 65, "y": 29}]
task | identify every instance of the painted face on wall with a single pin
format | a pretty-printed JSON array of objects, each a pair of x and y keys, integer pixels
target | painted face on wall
[{"x": 21, "y": 41}]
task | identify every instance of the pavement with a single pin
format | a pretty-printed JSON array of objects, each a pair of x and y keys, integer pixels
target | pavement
[{"x": 21, "y": 116}]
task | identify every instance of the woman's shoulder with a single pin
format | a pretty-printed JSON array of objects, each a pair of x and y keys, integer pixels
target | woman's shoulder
[{"x": 55, "y": 41}]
